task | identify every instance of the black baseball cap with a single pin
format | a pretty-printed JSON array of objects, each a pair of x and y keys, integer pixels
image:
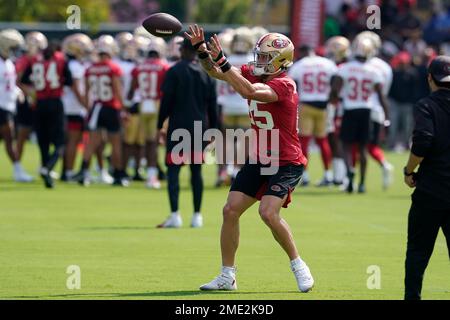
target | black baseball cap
[
  {"x": 186, "y": 44},
  {"x": 439, "y": 69}
]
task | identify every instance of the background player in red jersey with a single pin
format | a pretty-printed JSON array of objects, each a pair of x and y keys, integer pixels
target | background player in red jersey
[
  {"x": 148, "y": 77},
  {"x": 273, "y": 102},
  {"x": 104, "y": 99},
  {"x": 48, "y": 73},
  {"x": 34, "y": 42}
]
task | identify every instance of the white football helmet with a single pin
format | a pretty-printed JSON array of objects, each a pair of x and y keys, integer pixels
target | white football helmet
[
  {"x": 337, "y": 49},
  {"x": 225, "y": 38},
  {"x": 107, "y": 44},
  {"x": 127, "y": 48},
  {"x": 363, "y": 48},
  {"x": 78, "y": 45},
  {"x": 10, "y": 39},
  {"x": 243, "y": 41},
  {"x": 377, "y": 43},
  {"x": 158, "y": 45},
  {"x": 35, "y": 41}
]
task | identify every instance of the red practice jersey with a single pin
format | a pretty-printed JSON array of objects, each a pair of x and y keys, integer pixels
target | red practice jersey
[
  {"x": 100, "y": 76},
  {"x": 281, "y": 115},
  {"x": 48, "y": 77},
  {"x": 150, "y": 76},
  {"x": 23, "y": 63}
]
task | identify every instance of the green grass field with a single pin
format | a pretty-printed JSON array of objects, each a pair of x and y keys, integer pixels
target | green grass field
[{"x": 110, "y": 233}]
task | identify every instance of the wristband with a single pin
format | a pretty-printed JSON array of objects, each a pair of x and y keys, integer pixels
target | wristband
[
  {"x": 405, "y": 172},
  {"x": 225, "y": 66},
  {"x": 221, "y": 61},
  {"x": 203, "y": 55},
  {"x": 197, "y": 45}
]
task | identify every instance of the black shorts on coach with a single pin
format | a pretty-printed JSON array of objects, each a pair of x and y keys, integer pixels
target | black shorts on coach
[
  {"x": 104, "y": 118},
  {"x": 252, "y": 183},
  {"x": 356, "y": 126}
]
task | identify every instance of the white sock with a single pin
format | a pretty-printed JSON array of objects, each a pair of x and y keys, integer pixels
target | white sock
[
  {"x": 305, "y": 176},
  {"x": 197, "y": 213},
  {"x": 17, "y": 166},
  {"x": 152, "y": 172},
  {"x": 69, "y": 173},
  {"x": 329, "y": 175},
  {"x": 229, "y": 271},
  {"x": 175, "y": 214},
  {"x": 297, "y": 263}
]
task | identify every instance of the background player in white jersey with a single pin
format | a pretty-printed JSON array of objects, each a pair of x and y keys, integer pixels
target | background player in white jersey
[
  {"x": 357, "y": 80},
  {"x": 132, "y": 148},
  {"x": 234, "y": 108},
  {"x": 378, "y": 118},
  {"x": 337, "y": 49},
  {"x": 77, "y": 47},
  {"x": 10, "y": 39},
  {"x": 313, "y": 75},
  {"x": 147, "y": 79}
]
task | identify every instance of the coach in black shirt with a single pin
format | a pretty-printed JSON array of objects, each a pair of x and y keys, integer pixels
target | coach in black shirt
[
  {"x": 189, "y": 96},
  {"x": 430, "y": 208}
]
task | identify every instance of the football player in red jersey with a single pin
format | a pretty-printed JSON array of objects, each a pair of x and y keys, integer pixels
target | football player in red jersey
[
  {"x": 104, "y": 99},
  {"x": 48, "y": 73},
  {"x": 273, "y": 102},
  {"x": 148, "y": 77},
  {"x": 34, "y": 42}
]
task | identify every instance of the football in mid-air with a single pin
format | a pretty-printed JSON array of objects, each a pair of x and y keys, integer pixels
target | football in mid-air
[{"x": 162, "y": 25}]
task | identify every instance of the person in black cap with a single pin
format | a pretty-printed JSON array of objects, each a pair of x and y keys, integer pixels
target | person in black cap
[
  {"x": 189, "y": 95},
  {"x": 430, "y": 150}
]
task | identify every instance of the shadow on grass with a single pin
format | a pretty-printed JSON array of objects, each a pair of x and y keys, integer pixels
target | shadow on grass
[{"x": 144, "y": 294}]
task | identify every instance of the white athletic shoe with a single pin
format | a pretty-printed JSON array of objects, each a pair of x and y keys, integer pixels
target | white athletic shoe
[
  {"x": 197, "y": 221},
  {"x": 305, "y": 281},
  {"x": 387, "y": 169},
  {"x": 173, "y": 221},
  {"x": 105, "y": 177},
  {"x": 22, "y": 176},
  {"x": 153, "y": 183},
  {"x": 222, "y": 282}
]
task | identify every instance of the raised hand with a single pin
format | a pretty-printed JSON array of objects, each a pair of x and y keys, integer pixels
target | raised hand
[
  {"x": 216, "y": 48},
  {"x": 197, "y": 37}
]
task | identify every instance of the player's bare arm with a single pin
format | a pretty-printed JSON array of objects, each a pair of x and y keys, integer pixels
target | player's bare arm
[
  {"x": 133, "y": 88},
  {"x": 76, "y": 91},
  {"x": 252, "y": 91},
  {"x": 336, "y": 87},
  {"x": 117, "y": 89},
  {"x": 383, "y": 102}
]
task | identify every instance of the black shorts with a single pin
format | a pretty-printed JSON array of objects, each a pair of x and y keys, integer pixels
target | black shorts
[
  {"x": 375, "y": 133},
  {"x": 5, "y": 117},
  {"x": 24, "y": 115},
  {"x": 252, "y": 183},
  {"x": 104, "y": 118},
  {"x": 49, "y": 121},
  {"x": 75, "y": 123},
  {"x": 356, "y": 126}
]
